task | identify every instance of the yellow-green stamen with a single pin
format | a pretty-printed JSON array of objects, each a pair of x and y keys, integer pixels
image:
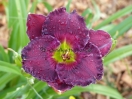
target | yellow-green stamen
[{"x": 64, "y": 53}]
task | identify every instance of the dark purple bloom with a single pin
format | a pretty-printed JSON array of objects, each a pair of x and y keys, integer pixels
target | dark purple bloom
[{"x": 62, "y": 51}]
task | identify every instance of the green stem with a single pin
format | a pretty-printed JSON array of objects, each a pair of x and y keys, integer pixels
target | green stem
[{"x": 34, "y": 90}]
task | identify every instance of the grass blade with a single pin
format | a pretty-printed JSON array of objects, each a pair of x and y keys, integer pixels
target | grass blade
[
  {"x": 115, "y": 16},
  {"x": 96, "y": 88},
  {"x": 19, "y": 92},
  {"x": 118, "y": 54},
  {"x": 33, "y": 7},
  {"x": 3, "y": 93},
  {"x": 86, "y": 12},
  {"x": 48, "y": 6},
  {"x": 107, "y": 27},
  {"x": 38, "y": 87},
  {"x": 5, "y": 78},
  {"x": 3, "y": 55},
  {"x": 122, "y": 27},
  {"x": 17, "y": 13},
  {"x": 9, "y": 68},
  {"x": 68, "y": 5},
  {"x": 97, "y": 12},
  {"x": 88, "y": 17},
  {"x": 21, "y": 9}
]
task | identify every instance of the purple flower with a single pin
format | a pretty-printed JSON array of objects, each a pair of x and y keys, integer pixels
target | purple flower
[{"x": 62, "y": 51}]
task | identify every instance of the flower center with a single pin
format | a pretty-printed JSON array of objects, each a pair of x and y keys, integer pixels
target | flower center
[
  {"x": 64, "y": 53},
  {"x": 66, "y": 56}
]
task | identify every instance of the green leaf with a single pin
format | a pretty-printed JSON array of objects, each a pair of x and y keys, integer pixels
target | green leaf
[
  {"x": 6, "y": 77},
  {"x": 14, "y": 37},
  {"x": 9, "y": 68},
  {"x": 22, "y": 12},
  {"x": 68, "y": 5},
  {"x": 86, "y": 12},
  {"x": 108, "y": 27},
  {"x": 3, "y": 55},
  {"x": 89, "y": 20},
  {"x": 114, "y": 43},
  {"x": 118, "y": 54},
  {"x": 3, "y": 93},
  {"x": 17, "y": 57},
  {"x": 121, "y": 28},
  {"x": 96, "y": 88},
  {"x": 33, "y": 7},
  {"x": 88, "y": 17},
  {"x": 17, "y": 13},
  {"x": 38, "y": 87},
  {"x": 27, "y": 2},
  {"x": 48, "y": 6},
  {"x": 115, "y": 16},
  {"x": 19, "y": 92},
  {"x": 97, "y": 12}
]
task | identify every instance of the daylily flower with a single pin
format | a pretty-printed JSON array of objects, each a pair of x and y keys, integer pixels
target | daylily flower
[{"x": 62, "y": 51}]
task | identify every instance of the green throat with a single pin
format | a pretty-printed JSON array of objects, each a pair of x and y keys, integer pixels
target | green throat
[{"x": 64, "y": 53}]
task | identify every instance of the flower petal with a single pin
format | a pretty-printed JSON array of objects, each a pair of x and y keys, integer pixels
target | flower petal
[
  {"x": 60, "y": 86},
  {"x": 102, "y": 40},
  {"x": 87, "y": 68},
  {"x": 37, "y": 58},
  {"x": 63, "y": 25},
  {"x": 34, "y": 25}
]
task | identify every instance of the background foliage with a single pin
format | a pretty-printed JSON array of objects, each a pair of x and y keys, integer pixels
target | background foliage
[{"x": 15, "y": 83}]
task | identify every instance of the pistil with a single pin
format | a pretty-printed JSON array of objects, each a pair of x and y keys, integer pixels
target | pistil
[{"x": 66, "y": 56}]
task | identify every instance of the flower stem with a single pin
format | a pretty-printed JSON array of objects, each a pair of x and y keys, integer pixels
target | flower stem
[{"x": 34, "y": 90}]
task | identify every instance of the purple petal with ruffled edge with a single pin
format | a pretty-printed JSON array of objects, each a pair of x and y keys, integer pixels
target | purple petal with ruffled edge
[
  {"x": 48, "y": 33},
  {"x": 34, "y": 25},
  {"x": 87, "y": 68},
  {"x": 37, "y": 58},
  {"x": 61, "y": 86},
  {"x": 64, "y": 26},
  {"x": 102, "y": 40}
]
